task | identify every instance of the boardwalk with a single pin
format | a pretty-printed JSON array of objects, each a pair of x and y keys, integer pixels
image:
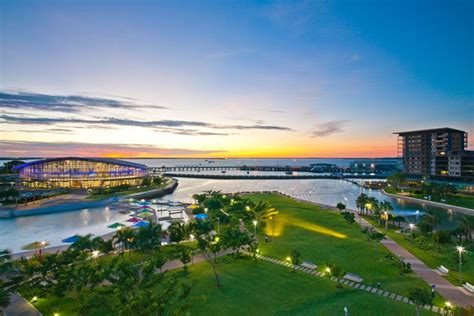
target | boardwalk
[{"x": 455, "y": 295}]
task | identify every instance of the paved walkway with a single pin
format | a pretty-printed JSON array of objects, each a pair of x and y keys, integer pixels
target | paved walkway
[
  {"x": 349, "y": 283},
  {"x": 20, "y": 307},
  {"x": 455, "y": 295}
]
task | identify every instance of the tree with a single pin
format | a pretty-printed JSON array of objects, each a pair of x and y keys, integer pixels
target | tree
[
  {"x": 124, "y": 237},
  {"x": 207, "y": 244},
  {"x": 185, "y": 256},
  {"x": 399, "y": 219},
  {"x": 235, "y": 239},
  {"x": 341, "y": 206},
  {"x": 419, "y": 297},
  {"x": 349, "y": 217},
  {"x": 148, "y": 237},
  {"x": 295, "y": 258},
  {"x": 335, "y": 271},
  {"x": 4, "y": 296},
  {"x": 361, "y": 201},
  {"x": 466, "y": 226},
  {"x": 396, "y": 179},
  {"x": 5, "y": 263}
]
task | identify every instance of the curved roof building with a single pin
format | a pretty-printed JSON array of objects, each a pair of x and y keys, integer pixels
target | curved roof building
[{"x": 73, "y": 172}]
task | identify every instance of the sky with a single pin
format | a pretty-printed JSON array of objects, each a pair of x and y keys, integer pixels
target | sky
[{"x": 231, "y": 78}]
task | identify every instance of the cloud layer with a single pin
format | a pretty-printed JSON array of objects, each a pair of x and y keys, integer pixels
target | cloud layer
[
  {"x": 64, "y": 103},
  {"x": 329, "y": 128},
  {"x": 33, "y": 149}
]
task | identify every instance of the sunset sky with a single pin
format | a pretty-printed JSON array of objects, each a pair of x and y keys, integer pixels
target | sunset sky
[{"x": 231, "y": 78}]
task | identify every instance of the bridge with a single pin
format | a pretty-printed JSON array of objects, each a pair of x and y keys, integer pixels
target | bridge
[{"x": 270, "y": 177}]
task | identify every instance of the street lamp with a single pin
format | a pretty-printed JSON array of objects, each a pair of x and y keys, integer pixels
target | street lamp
[
  {"x": 255, "y": 227},
  {"x": 95, "y": 254},
  {"x": 412, "y": 226},
  {"x": 205, "y": 210},
  {"x": 460, "y": 250}
]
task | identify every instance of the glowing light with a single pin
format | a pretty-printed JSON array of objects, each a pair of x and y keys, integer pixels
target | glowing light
[
  {"x": 460, "y": 249},
  {"x": 95, "y": 253},
  {"x": 247, "y": 208},
  {"x": 328, "y": 270},
  {"x": 317, "y": 229},
  {"x": 448, "y": 304},
  {"x": 288, "y": 259},
  {"x": 34, "y": 299},
  {"x": 255, "y": 223}
]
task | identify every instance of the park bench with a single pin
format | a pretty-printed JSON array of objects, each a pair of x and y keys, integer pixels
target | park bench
[
  {"x": 443, "y": 270},
  {"x": 353, "y": 277},
  {"x": 468, "y": 287},
  {"x": 309, "y": 265}
]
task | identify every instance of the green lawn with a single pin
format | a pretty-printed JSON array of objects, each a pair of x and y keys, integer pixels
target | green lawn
[
  {"x": 261, "y": 288},
  {"x": 301, "y": 226}
]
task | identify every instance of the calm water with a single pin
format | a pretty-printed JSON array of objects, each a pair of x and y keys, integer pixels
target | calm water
[
  {"x": 54, "y": 227},
  {"x": 340, "y": 162}
]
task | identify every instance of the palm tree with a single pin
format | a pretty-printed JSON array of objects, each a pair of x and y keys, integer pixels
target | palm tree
[
  {"x": 466, "y": 225},
  {"x": 5, "y": 263},
  {"x": 264, "y": 211},
  {"x": 83, "y": 243},
  {"x": 341, "y": 206},
  {"x": 361, "y": 201},
  {"x": 124, "y": 237},
  {"x": 399, "y": 219}
]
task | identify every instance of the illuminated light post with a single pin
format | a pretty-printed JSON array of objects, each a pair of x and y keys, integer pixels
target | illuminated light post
[
  {"x": 460, "y": 250},
  {"x": 218, "y": 225},
  {"x": 255, "y": 227},
  {"x": 95, "y": 254},
  {"x": 412, "y": 226},
  {"x": 205, "y": 210}
]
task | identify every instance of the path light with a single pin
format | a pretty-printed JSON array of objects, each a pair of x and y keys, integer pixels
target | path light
[
  {"x": 288, "y": 259},
  {"x": 460, "y": 250},
  {"x": 205, "y": 210},
  {"x": 412, "y": 227},
  {"x": 191, "y": 236},
  {"x": 328, "y": 269},
  {"x": 255, "y": 227},
  {"x": 95, "y": 254},
  {"x": 247, "y": 208},
  {"x": 448, "y": 304},
  {"x": 34, "y": 299}
]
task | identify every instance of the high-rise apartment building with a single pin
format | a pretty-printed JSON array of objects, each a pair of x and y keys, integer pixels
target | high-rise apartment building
[{"x": 436, "y": 153}]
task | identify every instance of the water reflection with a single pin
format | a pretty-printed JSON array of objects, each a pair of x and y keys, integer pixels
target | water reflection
[{"x": 54, "y": 227}]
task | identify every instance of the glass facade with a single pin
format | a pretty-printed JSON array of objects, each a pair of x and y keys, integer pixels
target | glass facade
[{"x": 81, "y": 173}]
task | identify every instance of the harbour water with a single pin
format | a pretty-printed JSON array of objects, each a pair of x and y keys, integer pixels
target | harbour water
[{"x": 16, "y": 232}]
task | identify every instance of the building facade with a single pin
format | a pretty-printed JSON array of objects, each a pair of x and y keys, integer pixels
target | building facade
[
  {"x": 80, "y": 173},
  {"x": 439, "y": 153}
]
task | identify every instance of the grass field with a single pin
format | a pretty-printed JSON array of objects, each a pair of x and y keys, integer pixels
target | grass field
[
  {"x": 261, "y": 288},
  {"x": 323, "y": 236}
]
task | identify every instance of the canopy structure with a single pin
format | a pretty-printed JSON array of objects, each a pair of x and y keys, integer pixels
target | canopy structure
[
  {"x": 35, "y": 245},
  {"x": 201, "y": 216},
  {"x": 116, "y": 225},
  {"x": 134, "y": 220},
  {"x": 145, "y": 214},
  {"x": 71, "y": 240},
  {"x": 141, "y": 224}
]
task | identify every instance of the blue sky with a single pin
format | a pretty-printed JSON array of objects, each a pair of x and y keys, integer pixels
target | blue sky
[{"x": 232, "y": 78}]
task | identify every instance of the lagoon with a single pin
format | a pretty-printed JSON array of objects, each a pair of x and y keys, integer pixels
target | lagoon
[{"x": 16, "y": 232}]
